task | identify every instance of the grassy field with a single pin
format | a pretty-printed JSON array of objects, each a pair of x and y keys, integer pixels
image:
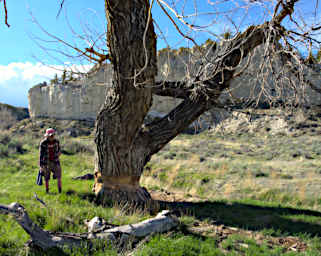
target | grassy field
[
  {"x": 270, "y": 168},
  {"x": 237, "y": 194}
]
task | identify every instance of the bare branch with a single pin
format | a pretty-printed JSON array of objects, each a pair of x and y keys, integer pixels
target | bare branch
[
  {"x": 316, "y": 28},
  {"x": 5, "y": 13},
  {"x": 89, "y": 45},
  {"x": 286, "y": 11},
  {"x": 40, "y": 200},
  {"x": 175, "y": 89},
  {"x": 102, "y": 57},
  {"x": 288, "y": 60},
  {"x": 85, "y": 53},
  {"x": 61, "y": 5},
  {"x": 174, "y": 23},
  {"x": 163, "y": 222},
  {"x": 204, "y": 90},
  {"x": 304, "y": 36}
]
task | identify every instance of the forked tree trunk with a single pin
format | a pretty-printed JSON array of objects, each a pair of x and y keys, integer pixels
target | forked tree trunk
[
  {"x": 124, "y": 144},
  {"x": 132, "y": 48}
]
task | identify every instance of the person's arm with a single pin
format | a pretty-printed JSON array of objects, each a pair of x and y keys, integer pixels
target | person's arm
[
  {"x": 41, "y": 156},
  {"x": 58, "y": 145}
]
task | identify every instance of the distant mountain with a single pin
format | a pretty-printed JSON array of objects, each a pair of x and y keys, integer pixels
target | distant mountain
[{"x": 9, "y": 115}]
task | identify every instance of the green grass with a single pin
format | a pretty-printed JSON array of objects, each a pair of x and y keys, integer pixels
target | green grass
[
  {"x": 180, "y": 245},
  {"x": 225, "y": 181},
  {"x": 65, "y": 212}
]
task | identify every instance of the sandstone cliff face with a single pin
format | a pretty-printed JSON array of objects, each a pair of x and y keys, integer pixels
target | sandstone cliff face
[
  {"x": 251, "y": 84},
  {"x": 81, "y": 100},
  {"x": 78, "y": 100},
  {"x": 74, "y": 102}
]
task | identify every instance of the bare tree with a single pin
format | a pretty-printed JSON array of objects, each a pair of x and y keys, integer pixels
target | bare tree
[{"x": 124, "y": 143}]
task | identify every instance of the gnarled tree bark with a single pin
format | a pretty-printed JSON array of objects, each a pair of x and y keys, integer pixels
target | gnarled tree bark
[
  {"x": 124, "y": 144},
  {"x": 132, "y": 45}
]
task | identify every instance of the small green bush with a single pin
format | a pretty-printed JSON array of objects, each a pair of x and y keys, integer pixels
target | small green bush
[{"x": 9, "y": 146}]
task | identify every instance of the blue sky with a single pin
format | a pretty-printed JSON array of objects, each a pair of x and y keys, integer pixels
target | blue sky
[
  {"x": 19, "y": 68},
  {"x": 23, "y": 64}
]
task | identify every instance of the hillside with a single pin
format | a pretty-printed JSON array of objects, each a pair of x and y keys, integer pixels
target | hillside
[{"x": 9, "y": 115}]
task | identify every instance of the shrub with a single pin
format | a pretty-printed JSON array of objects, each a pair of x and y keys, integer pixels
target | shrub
[
  {"x": 4, "y": 151},
  {"x": 71, "y": 147},
  {"x": 15, "y": 146},
  {"x": 4, "y": 138},
  {"x": 9, "y": 146}
]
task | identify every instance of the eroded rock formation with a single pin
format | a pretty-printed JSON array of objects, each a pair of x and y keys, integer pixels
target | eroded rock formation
[{"x": 82, "y": 99}]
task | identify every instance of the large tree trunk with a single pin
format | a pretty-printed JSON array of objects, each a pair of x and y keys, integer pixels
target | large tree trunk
[
  {"x": 124, "y": 144},
  {"x": 120, "y": 160}
]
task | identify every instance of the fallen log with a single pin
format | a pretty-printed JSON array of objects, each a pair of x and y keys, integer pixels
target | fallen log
[{"x": 164, "y": 221}]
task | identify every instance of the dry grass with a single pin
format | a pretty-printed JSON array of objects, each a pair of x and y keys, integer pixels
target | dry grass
[{"x": 241, "y": 166}]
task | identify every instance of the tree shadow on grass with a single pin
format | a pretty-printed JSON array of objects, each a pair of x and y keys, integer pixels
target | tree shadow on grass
[
  {"x": 89, "y": 196},
  {"x": 284, "y": 220}
]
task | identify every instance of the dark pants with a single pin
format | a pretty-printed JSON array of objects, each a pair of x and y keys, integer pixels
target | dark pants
[{"x": 52, "y": 167}]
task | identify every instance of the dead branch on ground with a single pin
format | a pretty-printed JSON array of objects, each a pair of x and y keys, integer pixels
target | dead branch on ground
[{"x": 163, "y": 222}]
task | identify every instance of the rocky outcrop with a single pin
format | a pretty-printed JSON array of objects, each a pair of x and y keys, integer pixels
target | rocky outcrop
[
  {"x": 75, "y": 100},
  {"x": 70, "y": 101},
  {"x": 81, "y": 100}
]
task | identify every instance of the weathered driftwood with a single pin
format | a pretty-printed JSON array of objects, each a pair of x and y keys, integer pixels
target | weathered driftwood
[{"x": 163, "y": 222}]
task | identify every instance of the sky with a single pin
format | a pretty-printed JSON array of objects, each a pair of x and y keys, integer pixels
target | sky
[{"x": 24, "y": 63}]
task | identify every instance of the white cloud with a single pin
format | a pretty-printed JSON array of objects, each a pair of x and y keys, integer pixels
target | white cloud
[
  {"x": 18, "y": 77},
  {"x": 31, "y": 71},
  {"x": 7, "y": 73}
]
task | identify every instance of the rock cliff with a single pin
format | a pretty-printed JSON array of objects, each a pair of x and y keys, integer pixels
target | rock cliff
[
  {"x": 81, "y": 100},
  {"x": 75, "y": 100}
]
